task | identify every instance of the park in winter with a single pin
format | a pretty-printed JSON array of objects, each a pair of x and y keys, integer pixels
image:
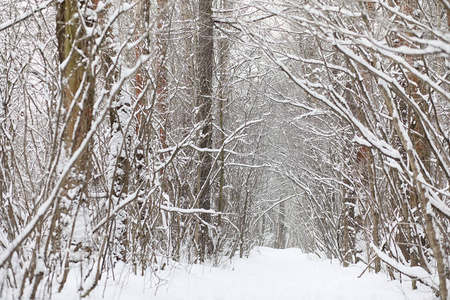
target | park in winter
[{"x": 224, "y": 149}]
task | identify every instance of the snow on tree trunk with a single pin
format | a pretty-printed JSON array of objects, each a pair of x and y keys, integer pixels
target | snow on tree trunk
[{"x": 205, "y": 60}]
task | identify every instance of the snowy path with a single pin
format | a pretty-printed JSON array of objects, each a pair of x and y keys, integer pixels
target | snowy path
[{"x": 267, "y": 275}]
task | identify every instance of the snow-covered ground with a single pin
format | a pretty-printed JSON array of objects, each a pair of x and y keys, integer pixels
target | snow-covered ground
[{"x": 268, "y": 274}]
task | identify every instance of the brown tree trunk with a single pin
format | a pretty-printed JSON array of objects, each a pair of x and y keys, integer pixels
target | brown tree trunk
[
  {"x": 142, "y": 111},
  {"x": 224, "y": 50},
  {"x": 77, "y": 99},
  {"x": 74, "y": 49},
  {"x": 205, "y": 57},
  {"x": 161, "y": 69}
]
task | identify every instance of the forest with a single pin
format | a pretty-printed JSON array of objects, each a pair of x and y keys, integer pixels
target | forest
[{"x": 149, "y": 132}]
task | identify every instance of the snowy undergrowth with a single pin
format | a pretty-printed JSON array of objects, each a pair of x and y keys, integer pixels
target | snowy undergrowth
[{"x": 268, "y": 274}]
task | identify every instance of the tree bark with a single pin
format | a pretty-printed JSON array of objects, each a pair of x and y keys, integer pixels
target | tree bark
[
  {"x": 78, "y": 94},
  {"x": 74, "y": 49},
  {"x": 224, "y": 48},
  {"x": 161, "y": 69},
  {"x": 205, "y": 57}
]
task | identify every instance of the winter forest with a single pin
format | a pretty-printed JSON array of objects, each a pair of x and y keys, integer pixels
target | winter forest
[{"x": 149, "y": 132}]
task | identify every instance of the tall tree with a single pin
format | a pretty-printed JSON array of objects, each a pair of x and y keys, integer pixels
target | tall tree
[
  {"x": 205, "y": 61},
  {"x": 162, "y": 44},
  {"x": 75, "y": 47},
  {"x": 223, "y": 65}
]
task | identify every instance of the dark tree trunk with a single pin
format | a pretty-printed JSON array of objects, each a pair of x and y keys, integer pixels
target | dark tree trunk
[{"x": 205, "y": 57}]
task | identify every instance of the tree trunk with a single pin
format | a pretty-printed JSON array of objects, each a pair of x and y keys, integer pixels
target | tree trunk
[
  {"x": 348, "y": 213},
  {"x": 74, "y": 49},
  {"x": 224, "y": 48},
  {"x": 281, "y": 230},
  {"x": 161, "y": 69},
  {"x": 205, "y": 57}
]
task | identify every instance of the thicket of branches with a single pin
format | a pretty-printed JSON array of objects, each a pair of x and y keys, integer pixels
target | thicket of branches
[{"x": 157, "y": 131}]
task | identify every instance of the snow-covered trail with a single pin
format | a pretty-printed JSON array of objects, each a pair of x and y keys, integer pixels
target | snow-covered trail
[{"x": 268, "y": 274}]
